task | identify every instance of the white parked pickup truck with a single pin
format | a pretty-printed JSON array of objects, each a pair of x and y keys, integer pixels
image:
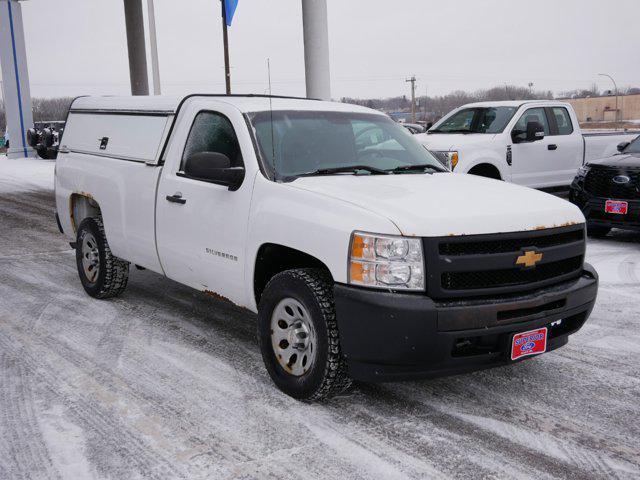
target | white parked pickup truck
[
  {"x": 533, "y": 143},
  {"x": 362, "y": 256}
]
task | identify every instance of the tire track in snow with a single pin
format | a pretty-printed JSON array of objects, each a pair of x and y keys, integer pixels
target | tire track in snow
[{"x": 25, "y": 453}]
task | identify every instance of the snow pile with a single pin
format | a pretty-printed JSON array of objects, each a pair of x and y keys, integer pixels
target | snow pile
[{"x": 25, "y": 174}]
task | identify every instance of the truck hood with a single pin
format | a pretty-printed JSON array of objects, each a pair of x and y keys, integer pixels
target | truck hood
[
  {"x": 621, "y": 160},
  {"x": 444, "y": 204},
  {"x": 452, "y": 141}
]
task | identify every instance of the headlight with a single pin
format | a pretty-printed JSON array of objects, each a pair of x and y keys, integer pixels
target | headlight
[
  {"x": 384, "y": 261},
  {"x": 448, "y": 159}
]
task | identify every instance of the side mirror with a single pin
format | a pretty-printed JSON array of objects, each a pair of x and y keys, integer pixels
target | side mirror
[
  {"x": 215, "y": 168},
  {"x": 622, "y": 146},
  {"x": 535, "y": 131}
]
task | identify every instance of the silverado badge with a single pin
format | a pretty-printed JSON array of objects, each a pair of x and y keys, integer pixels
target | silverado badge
[{"x": 529, "y": 259}]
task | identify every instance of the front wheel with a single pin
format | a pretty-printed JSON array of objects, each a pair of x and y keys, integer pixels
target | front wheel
[{"x": 298, "y": 335}]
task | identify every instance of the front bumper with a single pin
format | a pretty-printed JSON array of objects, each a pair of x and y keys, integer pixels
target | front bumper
[
  {"x": 593, "y": 209},
  {"x": 393, "y": 336}
]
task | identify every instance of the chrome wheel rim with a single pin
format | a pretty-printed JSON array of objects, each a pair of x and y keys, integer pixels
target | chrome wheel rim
[
  {"x": 90, "y": 258},
  {"x": 292, "y": 337}
]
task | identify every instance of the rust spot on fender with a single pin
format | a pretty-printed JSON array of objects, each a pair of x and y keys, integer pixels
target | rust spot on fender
[
  {"x": 217, "y": 296},
  {"x": 85, "y": 194}
]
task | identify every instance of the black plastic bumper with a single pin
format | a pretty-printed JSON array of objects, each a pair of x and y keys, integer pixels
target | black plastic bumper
[
  {"x": 593, "y": 209},
  {"x": 391, "y": 336}
]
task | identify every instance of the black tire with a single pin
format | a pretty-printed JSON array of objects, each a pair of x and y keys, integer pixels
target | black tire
[
  {"x": 327, "y": 376},
  {"x": 597, "y": 232},
  {"x": 113, "y": 273}
]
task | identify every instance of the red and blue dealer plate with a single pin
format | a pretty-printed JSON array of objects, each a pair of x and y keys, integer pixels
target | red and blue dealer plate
[
  {"x": 529, "y": 343},
  {"x": 616, "y": 206}
]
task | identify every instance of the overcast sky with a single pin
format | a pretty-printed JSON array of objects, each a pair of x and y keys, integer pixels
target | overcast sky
[{"x": 79, "y": 46}]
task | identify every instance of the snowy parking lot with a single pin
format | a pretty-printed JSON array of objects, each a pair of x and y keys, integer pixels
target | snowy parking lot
[{"x": 165, "y": 382}]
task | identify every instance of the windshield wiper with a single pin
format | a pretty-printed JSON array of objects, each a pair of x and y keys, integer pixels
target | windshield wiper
[
  {"x": 345, "y": 169},
  {"x": 459, "y": 130},
  {"x": 408, "y": 168}
]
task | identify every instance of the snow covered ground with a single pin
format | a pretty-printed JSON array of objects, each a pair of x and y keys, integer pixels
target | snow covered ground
[{"x": 167, "y": 383}]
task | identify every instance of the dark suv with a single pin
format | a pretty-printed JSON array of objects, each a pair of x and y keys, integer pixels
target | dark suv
[{"x": 608, "y": 191}]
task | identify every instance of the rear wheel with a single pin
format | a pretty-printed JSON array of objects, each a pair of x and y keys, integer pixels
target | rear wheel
[
  {"x": 597, "y": 232},
  {"x": 298, "y": 335},
  {"x": 102, "y": 274}
]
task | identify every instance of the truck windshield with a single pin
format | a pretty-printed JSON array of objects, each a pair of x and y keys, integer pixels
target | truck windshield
[
  {"x": 476, "y": 120},
  {"x": 299, "y": 143}
]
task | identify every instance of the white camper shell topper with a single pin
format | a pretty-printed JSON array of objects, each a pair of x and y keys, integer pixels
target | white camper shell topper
[{"x": 363, "y": 257}]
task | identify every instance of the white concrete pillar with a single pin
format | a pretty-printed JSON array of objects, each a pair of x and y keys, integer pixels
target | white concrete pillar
[
  {"x": 316, "y": 49},
  {"x": 136, "y": 46},
  {"x": 15, "y": 79}
]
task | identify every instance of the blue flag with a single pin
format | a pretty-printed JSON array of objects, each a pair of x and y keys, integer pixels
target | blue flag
[{"x": 230, "y": 9}]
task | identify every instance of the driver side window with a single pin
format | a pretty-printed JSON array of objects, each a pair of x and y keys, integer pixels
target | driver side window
[
  {"x": 530, "y": 115},
  {"x": 212, "y": 132}
]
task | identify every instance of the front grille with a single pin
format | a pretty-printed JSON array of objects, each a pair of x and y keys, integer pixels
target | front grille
[
  {"x": 486, "y": 266},
  {"x": 599, "y": 182},
  {"x": 510, "y": 276},
  {"x": 509, "y": 245}
]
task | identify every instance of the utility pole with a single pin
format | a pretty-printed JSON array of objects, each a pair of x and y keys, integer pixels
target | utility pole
[
  {"x": 225, "y": 42},
  {"x": 412, "y": 80},
  {"x": 153, "y": 46},
  {"x": 136, "y": 46}
]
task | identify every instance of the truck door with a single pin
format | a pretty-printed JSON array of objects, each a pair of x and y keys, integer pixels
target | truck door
[
  {"x": 201, "y": 226},
  {"x": 532, "y": 164},
  {"x": 565, "y": 144}
]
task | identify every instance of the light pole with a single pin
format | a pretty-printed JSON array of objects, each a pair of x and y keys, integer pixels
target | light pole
[{"x": 616, "y": 88}]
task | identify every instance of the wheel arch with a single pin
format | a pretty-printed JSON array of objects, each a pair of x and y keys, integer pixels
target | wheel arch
[
  {"x": 273, "y": 258},
  {"x": 81, "y": 206},
  {"x": 486, "y": 168}
]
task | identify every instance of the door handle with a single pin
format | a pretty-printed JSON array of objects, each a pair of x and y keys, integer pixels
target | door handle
[
  {"x": 552, "y": 147},
  {"x": 176, "y": 198}
]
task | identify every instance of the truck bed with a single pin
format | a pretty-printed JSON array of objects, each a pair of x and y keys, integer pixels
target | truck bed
[{"x": 602, "y": 143}]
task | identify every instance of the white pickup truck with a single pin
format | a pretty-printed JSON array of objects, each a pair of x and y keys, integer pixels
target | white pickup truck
[
  {"x": 362, "y": 256},
  {"x": 533, "y": 143}
]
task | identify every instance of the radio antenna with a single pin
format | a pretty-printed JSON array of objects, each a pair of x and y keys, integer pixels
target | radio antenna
[{"x": 273, "y": 144}]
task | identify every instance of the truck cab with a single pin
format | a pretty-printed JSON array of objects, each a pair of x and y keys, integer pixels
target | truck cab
[{"x": 363, "y": 257}]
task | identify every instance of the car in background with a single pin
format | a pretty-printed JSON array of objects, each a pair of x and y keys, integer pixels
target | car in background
[
  {"x": 537, "y": 144},
  {"x": 608, "y": 191}
]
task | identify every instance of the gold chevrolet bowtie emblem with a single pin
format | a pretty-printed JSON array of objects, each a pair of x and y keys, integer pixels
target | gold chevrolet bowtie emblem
[{"x": 529, "y": 259}]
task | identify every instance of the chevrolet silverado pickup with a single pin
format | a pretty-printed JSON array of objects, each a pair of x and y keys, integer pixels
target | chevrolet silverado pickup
[
  {"x": 537, "y": 144},
  {"x": 363, "y": 257}
]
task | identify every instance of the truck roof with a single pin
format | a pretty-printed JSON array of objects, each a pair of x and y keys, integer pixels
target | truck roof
[
  {"x": 168, "y": 104},
  {"x": 513, "y": 103}
]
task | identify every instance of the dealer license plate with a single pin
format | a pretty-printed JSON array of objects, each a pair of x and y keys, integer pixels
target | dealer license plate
[
  {"x": 616, "y": 206},
  {"x": 528, "y": 343}
]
